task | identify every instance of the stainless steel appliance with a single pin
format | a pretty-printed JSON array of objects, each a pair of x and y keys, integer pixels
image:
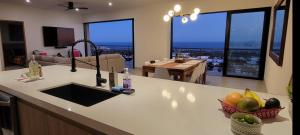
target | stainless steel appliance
[{"x": 8, "y": 115}]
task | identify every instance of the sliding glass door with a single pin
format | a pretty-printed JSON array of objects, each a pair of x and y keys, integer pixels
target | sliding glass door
[
  {"x": 246, "y": 42},
  {"x": 201, "y": 39}
]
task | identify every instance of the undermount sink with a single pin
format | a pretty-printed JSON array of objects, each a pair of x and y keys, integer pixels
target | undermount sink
[{"x": 80, "y": 94}]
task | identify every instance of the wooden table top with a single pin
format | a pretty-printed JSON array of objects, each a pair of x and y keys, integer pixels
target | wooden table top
[{"x": 171, "y": 64}]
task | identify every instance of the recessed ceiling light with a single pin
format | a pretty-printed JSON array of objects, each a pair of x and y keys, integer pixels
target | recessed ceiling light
[
  {"x": 110, "y": 3},
  {"x": 28, "y": 1},
  {"x": 77, "y": 9}
]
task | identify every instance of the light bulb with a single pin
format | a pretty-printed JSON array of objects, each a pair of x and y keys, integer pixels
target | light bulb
[
  {"x": 197, "y": 10},
  {"x": 184, "y": 20},
  {"x": 177, "y": 8},
  {"x": 110, "y": 4},
  {"x": 28, "y": 1},
  {"x": 194, "y": 17},
  {"x": 77, "y": 9},
  {"x": 167, "y": 18},
  {"x": 171, "y": 13}
]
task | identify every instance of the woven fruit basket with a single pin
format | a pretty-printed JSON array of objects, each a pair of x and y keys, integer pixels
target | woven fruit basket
[
  {"x": 261, "y": 113},
  {"x": 241, "y": 128}
]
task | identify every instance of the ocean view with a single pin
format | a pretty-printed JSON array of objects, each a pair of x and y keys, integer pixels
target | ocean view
[
  {"x": 187, "y": 45},
  {"x": 216, "y": 45}
]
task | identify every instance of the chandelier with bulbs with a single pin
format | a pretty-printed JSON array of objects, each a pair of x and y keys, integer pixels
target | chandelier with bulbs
[{"x": 177, "y": 10}]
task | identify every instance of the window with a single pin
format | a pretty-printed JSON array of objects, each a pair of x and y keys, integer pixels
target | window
[
  {"x": 114, "y": 37},
  {"x": 246, "y": 47},
  {"x": 280, "y": 21},
  {"x": 233, "y": 42},
  {"x": 202, "y": 39},
  {"x": 279, "y": 31}
]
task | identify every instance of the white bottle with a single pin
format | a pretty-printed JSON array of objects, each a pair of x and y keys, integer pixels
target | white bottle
[
  {"x": 33, "y": 68},
  {"x": 126, "y": 80}
]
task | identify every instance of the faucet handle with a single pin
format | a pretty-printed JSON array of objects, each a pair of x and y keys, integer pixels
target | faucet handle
[{"x": 100, "y": 80}]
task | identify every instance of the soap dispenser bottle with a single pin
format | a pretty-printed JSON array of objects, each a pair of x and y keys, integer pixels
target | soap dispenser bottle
[
  {"x": 126, "y": 80},
  {"x": 113, "y": 78}
]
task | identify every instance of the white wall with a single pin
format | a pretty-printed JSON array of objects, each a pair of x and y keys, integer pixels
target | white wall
[
  {"x": 35, "y": 18},
  {"x": 152, "y": 34},
  {"x": 277, "y": 77}
]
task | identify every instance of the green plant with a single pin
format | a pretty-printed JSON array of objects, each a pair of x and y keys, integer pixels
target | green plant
[{"x": 290, "y": 89}]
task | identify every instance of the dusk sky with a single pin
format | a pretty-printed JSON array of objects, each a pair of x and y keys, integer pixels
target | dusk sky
[
  {"x": 106, "y": 32},
  {"x": 279, "y": 25},
  {"x": 207, "y": 28},
  {"x": 247, "y": 27}
]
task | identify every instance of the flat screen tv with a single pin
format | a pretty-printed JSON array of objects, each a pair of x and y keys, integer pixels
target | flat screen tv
[{"x": 58, "y": 37}]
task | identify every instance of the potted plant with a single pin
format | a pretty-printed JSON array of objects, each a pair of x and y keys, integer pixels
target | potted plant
[{"x": 290, "y": 94}]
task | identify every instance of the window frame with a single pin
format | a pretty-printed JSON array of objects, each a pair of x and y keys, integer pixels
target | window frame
[
  {"x": 278, "y": 59},
  {"x": 85, "y": 30},
  {"x": 264, "y": 42}
]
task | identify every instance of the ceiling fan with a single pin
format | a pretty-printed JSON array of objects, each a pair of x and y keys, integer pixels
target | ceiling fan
[{"x": 70, "y": 6}]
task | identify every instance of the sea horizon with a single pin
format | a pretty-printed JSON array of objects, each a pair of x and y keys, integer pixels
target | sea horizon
[{"x": 189, "y": 45}]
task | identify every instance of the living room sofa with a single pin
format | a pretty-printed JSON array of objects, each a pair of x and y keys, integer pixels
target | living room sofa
[{"x": 107, "y": 61}]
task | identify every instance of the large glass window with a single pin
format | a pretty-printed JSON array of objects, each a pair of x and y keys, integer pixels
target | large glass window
[
  {"x": 233, "y": 42},
  {"x": 279, "y": 31},
  {"x": 114, "y": 37},
  {"x": 202, "y": 39},
  {"x": 245, "y": 44}
]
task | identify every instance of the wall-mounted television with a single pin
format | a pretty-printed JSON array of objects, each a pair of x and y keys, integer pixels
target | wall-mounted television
[{"x": 58, "y": 37}]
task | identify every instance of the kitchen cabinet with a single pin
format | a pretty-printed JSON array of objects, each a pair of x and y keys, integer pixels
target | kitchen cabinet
[{"x": 37, "y": 121}]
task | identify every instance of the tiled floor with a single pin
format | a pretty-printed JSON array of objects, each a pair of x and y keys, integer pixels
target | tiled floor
[{"x": 229, "y": 82}]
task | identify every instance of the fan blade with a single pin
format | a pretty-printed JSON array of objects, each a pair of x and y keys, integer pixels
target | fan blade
[
  {"x": 71, "y": 5},
  {"x": 83, "y": 8}
]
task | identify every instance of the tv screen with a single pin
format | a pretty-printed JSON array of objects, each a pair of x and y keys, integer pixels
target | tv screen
[
  {"x": 58, "y": 37},
  {"x": 65, "y": 37},
  {"x": 50, "y": 36}
]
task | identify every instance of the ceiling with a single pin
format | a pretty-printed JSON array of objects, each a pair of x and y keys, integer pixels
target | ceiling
[{"x": 93, "y": 5}]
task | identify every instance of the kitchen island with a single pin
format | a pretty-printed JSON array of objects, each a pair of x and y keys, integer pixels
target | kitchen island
[{"x": 158, "y": 107}]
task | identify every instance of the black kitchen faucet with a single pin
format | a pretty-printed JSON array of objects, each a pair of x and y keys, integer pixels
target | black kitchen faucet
[{"x": 99, "y": 80}]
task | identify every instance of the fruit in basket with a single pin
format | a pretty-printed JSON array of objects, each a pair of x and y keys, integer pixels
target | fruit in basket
[
  {"x": 248, "y": 104},
  {"x": 250, "y": 93},
  {"x": 233, "y": 98},
  {"x": 272, "y": 103},
  {"x": 247, "y": 119}
]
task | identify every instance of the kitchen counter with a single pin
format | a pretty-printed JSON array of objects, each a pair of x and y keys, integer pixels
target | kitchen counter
[{"x": 158, "y": 107}]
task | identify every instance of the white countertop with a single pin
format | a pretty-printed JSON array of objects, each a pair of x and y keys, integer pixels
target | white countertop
[{"x": 158, "y": 107}]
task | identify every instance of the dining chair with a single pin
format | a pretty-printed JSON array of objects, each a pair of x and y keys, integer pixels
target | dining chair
[
  {"x": 198, "y": 75},
  {"x": 161, "y": 73},
  {"x": 202, "y": 78},
  {"x": 195, "y": 78}
]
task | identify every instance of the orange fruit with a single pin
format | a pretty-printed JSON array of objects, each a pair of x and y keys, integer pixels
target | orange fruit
[
  {"x": 233, "y": 98},
  {"x": 228, "y": 103}
]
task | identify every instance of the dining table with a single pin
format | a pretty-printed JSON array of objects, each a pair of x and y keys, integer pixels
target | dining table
[{"x": 179, "y": 70}]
